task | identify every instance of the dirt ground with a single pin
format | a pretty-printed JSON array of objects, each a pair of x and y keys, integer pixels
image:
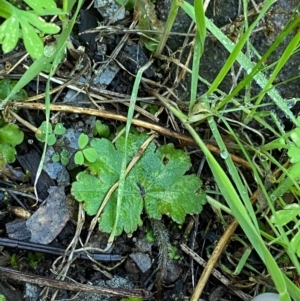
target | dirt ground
[{"x": 135, "y": 273}]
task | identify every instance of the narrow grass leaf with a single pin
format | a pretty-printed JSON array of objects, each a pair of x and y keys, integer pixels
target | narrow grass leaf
[
  {"x": 240, "y": 213},
  {"x": 198, "y": 50},
  {"x": 130, "y": 113},
  {"x": 280, "y": 64},
  {"x": 233, "y": 172},
  {"x": 175, "y": 4},
  {"x": 243, "y": 59},
  {"x": 248, "y": 66},
  {"x": 55, "y": 59},
  {"x": 200, "y": 22},
  {"x": 237, "y": 49},
  {"x": 195, "y": 71}
]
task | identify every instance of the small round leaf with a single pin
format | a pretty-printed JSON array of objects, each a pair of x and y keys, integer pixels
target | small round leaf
[
  {"x": 59, "y": 129},
  {"x": 51, "y": 140},
  {"x": 79, "y": 158},
  {"x": 64, "y": 161},
  {"x": 101, "y": 130},
  {"x": 7, "y": 153},
  {"x": 46, "y": 127},
  {"x": 90, "y": 154},
  {"x": 83, "y": 140},
  {"x": 55, "y": 158}
]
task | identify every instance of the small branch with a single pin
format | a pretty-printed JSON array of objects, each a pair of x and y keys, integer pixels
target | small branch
[{"x": 64, "y": 285}]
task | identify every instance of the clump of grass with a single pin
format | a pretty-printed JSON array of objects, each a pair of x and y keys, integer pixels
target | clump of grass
[{"x": 233, "y": 188}]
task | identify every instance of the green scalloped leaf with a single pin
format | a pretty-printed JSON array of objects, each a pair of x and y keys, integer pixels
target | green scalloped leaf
[
  {"x": 157, "y": 184},
  {"x": 295, "y": 136},
  {"x": 294, "y": 154},
  {"x": 90, "y": 190}
]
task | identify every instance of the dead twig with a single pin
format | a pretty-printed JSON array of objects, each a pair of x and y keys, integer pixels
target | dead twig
[
  {"x": 77, "y": 287},
  {"x": 214, "y": 272},
  {"x": 209, "y": 267},
  {"x": 140, "y": 123}
]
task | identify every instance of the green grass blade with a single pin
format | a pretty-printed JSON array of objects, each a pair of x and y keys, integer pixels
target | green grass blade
[
  {"x": 240, "y": 213},
  {"x": 282, "y": 61},
  {"x": 243, "y": 60},
  {"x": 130, "y": 113},
  {"x": 282, "y": 235},
  {"x": 198, "y": 50},
  {"x": 249, "y": 66},
  {"x": 200, "y": 22},
  {"x": 195, "y": 72},
  {"x": 237, "y": 49},
  {"x": 168, "y": 25},
  {"x": 259, "y": 65}
]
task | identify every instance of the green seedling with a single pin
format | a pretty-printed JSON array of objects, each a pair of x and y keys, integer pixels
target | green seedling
[
  {"x": 150, "y": 237},
  {"x": 45, "y": 127},
  {"x": 10, "y": 137},
  {"x": 173, "y": 252},
  {"x": 27, "y": 24},
  {"x": 34, "y": 259},
  {"x": 15, "y": 262},
  {"x": 6, "y": 86},
  {"x": 63, "y": 157},
  {"x": 10, "y": 134},
  {"x": 101, "y": 130},
  {"x": 85, "y": 153},
  {"x": 2, "y": 298},
  {"x": 156, "y": 185}
]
